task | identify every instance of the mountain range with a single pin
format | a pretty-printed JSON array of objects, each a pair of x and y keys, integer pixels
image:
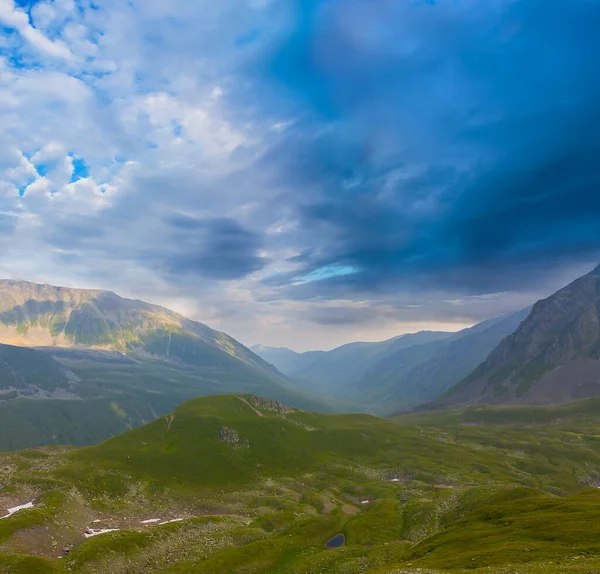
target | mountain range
[
  {"x": 78, "y": 366},
  {"x": 479, "y": 477},
  {"x": 397, "y": 374},
  {"x": 545, "y": 354}
]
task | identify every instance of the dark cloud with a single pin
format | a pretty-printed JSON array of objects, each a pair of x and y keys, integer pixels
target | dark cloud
[
  {"x": 214, "y": 248},
  {"x": 441, "y": 144},
  {"x": 69, "y": 234},
  {"x": 341, "y": 315}
]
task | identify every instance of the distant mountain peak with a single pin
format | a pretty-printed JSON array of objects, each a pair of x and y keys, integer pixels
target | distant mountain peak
[{"x": 34, "y": 315}]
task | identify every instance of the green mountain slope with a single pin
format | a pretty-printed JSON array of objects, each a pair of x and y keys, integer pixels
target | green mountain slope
[
  {"x": 112, "y": 364},
  {"x": 553, "y": 357},
  {"x": 113, "y": 394},
  {"x": 31, "y": 373},
  {"x": 243, "y": 484},
  {"x": 35, "y": 315}
]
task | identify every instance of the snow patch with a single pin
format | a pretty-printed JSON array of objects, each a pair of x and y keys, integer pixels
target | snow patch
[
  {"x": 91, "y": 532},
  {"x": 365, "y": 501},
  {"x": 11, "y": 511},
  {"x": 150, "y": 521}
]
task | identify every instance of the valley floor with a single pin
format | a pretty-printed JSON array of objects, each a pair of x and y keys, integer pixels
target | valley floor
[{"x": 239, "y": 484}]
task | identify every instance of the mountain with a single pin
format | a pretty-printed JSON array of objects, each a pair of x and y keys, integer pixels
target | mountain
[
  {"x": 100, "y": 364},
  {"x": 553, "y": 357},
  {"x": 239, "y": 483},
  {"x": 421, "y": 373},
  {"x": 339, "y": 369},
  {"x": 285, "y": 360},
  {"x": 43, "y": 315},
  {"x": 397, "y": 374},
  {"x": 31, "y": 373}
]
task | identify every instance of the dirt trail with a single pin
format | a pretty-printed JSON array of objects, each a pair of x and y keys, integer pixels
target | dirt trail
[
  {"x": 169, "y": 422},
  {"x": 255, "y": 410}
]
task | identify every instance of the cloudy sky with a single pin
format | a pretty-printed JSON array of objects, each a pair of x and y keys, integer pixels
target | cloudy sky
[{"x": 303, "y": 172}]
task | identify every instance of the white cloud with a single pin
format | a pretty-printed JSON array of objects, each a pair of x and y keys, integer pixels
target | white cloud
[
  {"x": 15, "y": 18},
  {"x": 52, "y": 151},
  {"x": 43, "y": 14},
  {"x": 41, "y": 186},
  {"x": 15, "y": 167}
]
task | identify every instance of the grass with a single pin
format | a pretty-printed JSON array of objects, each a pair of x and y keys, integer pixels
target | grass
[
  {"x": 475, "y": 490},
  {"x": 115, "y": 397}
]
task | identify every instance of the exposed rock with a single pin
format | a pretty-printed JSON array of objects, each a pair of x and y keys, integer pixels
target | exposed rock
[
  {"x": 231, "y": 436},
  {"x": 553, "y": 357},
  {"x": 270, "y": 405}
]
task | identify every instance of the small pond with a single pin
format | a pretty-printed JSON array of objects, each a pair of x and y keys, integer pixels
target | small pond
[{"x": 337, "y": 541}]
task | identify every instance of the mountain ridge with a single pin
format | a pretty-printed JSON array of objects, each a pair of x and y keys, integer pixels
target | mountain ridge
[
  {"x": 554, "y": 356},
  {"x": 344, "y": 366},
  {"x": 43, "y": 315},
  {"x": 399, "y": 373},
  {"x": 91, "y": 364}
]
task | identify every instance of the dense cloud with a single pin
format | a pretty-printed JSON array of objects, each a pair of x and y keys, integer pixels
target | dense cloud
[
  {"x": 462, "y": 140},
  {"x": 215, "y": 248},
  {"x": 316, "y": 170}
]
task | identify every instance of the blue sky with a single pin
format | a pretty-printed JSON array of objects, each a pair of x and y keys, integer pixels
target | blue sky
[{"x": 303, "y": 173}]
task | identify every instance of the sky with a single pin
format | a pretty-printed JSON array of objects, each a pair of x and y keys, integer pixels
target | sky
[{"x": 303, "y": 173}]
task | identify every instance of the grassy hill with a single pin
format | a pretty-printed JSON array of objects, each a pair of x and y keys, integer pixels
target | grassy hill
[
  {"x": 90, "y": 364},
  {"x": 82, "y": 397},
  {"x": 255, "y": 486}
]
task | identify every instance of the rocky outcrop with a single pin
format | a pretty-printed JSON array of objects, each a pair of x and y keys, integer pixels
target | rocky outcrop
[
  {"x": 231, "y": 437},
  {"x": 270, "y": 405}
]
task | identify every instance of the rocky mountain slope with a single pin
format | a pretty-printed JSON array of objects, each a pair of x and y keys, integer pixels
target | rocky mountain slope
[{"x": 553, "y": 357}]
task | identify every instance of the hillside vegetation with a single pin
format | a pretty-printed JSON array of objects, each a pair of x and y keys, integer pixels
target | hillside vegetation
[
  {"x": 44, "y": 315},
  {"x": 244, "y": 484},
  {"x": 103, "y": 364}
]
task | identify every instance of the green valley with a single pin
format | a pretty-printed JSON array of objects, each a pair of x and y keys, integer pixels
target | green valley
[{"x": 236, "y": 483}]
